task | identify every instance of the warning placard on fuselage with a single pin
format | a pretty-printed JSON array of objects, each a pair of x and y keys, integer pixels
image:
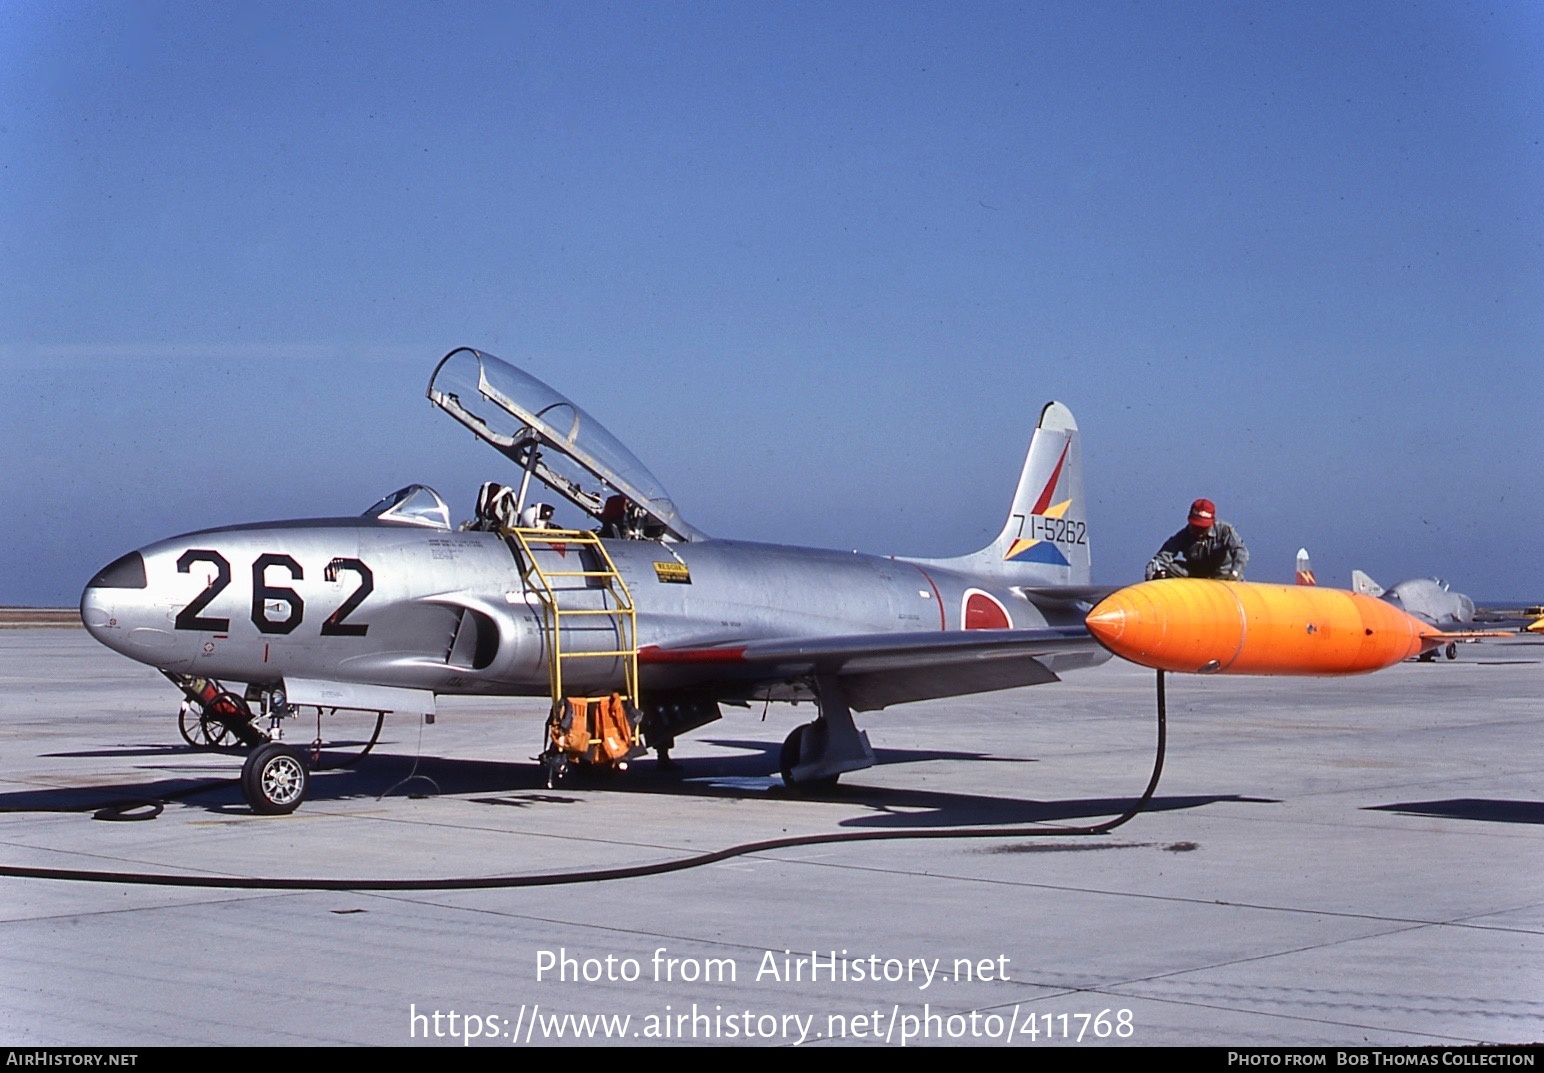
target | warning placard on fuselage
[{"x": 673, "y": 573}]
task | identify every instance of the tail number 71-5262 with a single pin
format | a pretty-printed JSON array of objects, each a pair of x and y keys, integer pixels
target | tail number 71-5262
[{"x": 1058, "y": 530}]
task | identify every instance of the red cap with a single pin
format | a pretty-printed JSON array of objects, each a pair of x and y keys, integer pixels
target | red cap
[{"x": 1203, "y": 512}]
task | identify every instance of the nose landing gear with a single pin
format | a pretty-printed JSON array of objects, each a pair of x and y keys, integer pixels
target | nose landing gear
[
  {"x": 274, "y": 779},
  {"x": 275, "y": 776}
]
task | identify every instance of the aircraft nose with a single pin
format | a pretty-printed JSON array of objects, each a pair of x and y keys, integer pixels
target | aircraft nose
[{"x": 119, "y": 583}]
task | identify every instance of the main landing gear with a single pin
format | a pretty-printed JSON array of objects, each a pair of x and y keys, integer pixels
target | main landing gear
[{"x": 816, "y": 754}]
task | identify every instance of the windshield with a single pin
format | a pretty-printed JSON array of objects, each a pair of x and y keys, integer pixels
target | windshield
[
  {"x": 416, "y": 504},
  {"x": 575, "y": 455}
]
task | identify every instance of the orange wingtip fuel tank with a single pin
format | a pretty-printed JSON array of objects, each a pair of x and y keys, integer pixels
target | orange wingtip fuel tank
[{"x": 1238, "y": 627}]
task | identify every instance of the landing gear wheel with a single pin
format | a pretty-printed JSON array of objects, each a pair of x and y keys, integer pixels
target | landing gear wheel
[
  {"x": 198, "y": 729},
  {"x": 788, "y": 758},
  {"x": 274, "y": 779},
  {"x": 1452, "y": 650}
]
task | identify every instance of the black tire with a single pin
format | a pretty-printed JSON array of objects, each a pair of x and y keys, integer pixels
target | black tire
[
  {"x": 274, "y": 779},
  {"x": 1452, "y": 650},
  {"x": 788, "y": 756}
]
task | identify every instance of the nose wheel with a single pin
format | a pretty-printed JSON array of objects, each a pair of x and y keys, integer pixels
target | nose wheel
[{"x": 274, "y": 779}]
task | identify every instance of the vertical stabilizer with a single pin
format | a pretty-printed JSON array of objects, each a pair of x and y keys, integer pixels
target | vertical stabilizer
[
  {"x": 1045, "y": 539},
  {"x": 1365, "y": 585},
  {"x": 1305, "y": 568}
]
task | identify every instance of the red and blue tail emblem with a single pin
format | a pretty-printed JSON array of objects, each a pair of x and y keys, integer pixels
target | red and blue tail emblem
[{"x": 1033, "y": 549}]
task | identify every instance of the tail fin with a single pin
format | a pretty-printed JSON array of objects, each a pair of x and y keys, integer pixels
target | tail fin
[
  {"x": 1045, "y": 540},
  {"x": 1365, "y": 585},
  {"x": 1305, "y": 568}
]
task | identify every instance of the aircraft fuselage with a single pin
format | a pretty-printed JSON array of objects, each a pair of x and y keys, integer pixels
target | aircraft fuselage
[{"x": 448, "y": 612}]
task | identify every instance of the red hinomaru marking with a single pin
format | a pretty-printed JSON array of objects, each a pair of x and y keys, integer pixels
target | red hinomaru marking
[{"x": 984, "y": 612}]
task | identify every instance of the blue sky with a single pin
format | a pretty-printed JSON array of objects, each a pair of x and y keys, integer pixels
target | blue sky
[{"x": 819, "y": 265}]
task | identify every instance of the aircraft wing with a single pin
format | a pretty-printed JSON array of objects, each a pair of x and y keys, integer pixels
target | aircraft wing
[{"x": 881, "y": 669}]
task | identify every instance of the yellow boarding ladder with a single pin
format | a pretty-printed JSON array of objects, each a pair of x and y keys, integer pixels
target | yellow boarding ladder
[{"x": 617, "y": 602}]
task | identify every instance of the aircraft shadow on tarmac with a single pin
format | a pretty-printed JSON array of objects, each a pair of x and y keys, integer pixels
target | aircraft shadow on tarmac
[
  {"x": 749, "y": 774},
  {"x": 1469, "y": 808}
]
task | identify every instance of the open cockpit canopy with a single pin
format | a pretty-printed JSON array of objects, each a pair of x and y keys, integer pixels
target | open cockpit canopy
[{"x": 552, "y": 439}]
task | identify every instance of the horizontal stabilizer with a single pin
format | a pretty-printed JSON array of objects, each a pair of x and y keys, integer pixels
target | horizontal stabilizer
[{"x": 1064, "y": 595}]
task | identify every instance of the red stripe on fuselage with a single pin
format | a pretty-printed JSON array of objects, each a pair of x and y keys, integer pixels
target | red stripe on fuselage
[
  {"x": 655, "y": 654},
  {"x": 939, "y": 599}
]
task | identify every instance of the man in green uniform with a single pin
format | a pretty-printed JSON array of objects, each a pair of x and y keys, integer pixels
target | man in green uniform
[{"x": 1207, "y": 547}]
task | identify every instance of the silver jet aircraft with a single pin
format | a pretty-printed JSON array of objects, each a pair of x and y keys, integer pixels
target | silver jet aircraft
[
  {"x": 1426, "y": 598},
  {"x": 637, "y": 627}
]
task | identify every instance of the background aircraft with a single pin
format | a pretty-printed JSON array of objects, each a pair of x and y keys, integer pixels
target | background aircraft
[
  {"x": 1426, "y": 598},
  {"x": 637, "y": 626}
]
